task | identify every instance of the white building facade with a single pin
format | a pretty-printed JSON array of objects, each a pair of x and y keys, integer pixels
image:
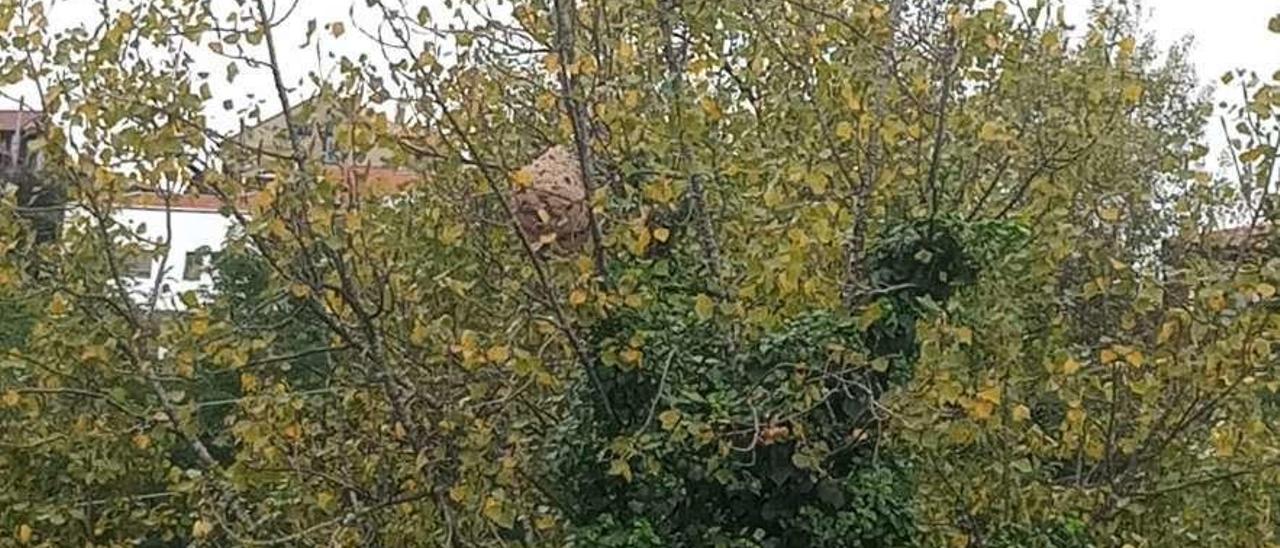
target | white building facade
[{"x": 194, "y": 235}]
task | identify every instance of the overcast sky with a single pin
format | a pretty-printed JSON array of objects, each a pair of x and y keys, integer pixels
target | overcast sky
[{"x": 1227, "y": 34}]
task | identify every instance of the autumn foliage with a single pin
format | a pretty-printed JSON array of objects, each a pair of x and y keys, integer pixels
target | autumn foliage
[{"x": 749, "y": 273}]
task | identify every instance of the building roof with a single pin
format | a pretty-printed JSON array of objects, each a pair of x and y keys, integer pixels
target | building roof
[
  {"x": 9, "y": 119},
  {"x": 1239, "y": 236},
  {"x": 195, "y": 203},
  {"x": 375, "y": 182}
]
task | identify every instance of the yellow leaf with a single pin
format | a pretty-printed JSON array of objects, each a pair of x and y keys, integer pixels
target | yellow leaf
[
  {"x": 631, "y": 99},
  {"x": 1094, "y": 449},
  {"x": 844, "y": 130},
  {"x": 292, "y": 432},
  {"x": 620, "y": 467},
  {"x": 499, "y": 354},
  {"x": 24, "y": 534},
  {"x": 419, "y": 334},
  {"x": 772, "y": 198},
  {"x": 261, "y": 201},
  {"x": 1109, "y": 214},
  {"x": 277, "y": 228},
  {"x": 551, "y": 62},
  {"x": 141, "y": 441},
  {"x": 522, "y": 179},
  {"x": 798, "y": 238},
  {"x": 982, "y": 410},
  {"x": 199, "y": 325},
  {"x": 1109, "y": 356},
  {"x": 547, "y": 101},
  {"x": 669, "y": 419},
  {"x": 468, "y": 341},
  {"x": 1127, "y": 46},
  {"x": 817, "y": 182},
  {"x": 577, "y": 297},
  {"x": 93, "y": 352},
  {"x": 626, "y": 52},
  {"x": 1050, "y": 40},
  {"x": 299, "y": 290},
  {"x": 1075, "y": 415},
  {"x": 452, "y": 234},
  {"x": 643, "y": 237},
  {"x": 201, "y": 528},
  {"x": 325, "y": 500},
  {"x": 632, "y": 356},
  {"x": 990, "y": 131},
  {"x": 353, "y": 221},
  {"x": 703, "y": 306},
  {"x": 1021, "y": 413},
  {"x": 992, "y": 394},
  {"x": 584, "y": 265},
  {"x": 660, "y": 191},
  {"x": 852, "y": 101},
  {"x": 1070, "y": 366},
  {"x": 712, "y": 109},
  {"x": 822, "y": 229},
  {"x": 248, "y": 382},
  {"x": 1132, "y": 93},
  {"x": 1167, "y": 331},
  {"x": 495, "y": 510},
  {"x": 662, "y": 234},
  {"x": 1223, "y": 444},
  {"x": 870, "y": 315},
  {"x": 1135, "y": 358},
  {"x": 58, "y": 305},
  {"x": 964, "y": 335},
  {"x": 11, "y": 398}
]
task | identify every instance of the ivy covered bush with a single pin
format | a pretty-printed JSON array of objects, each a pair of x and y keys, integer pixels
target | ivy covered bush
[{"x": 769, "y": 439}]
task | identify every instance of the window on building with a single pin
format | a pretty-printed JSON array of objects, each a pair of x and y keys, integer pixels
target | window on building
[
  {"x": 329, "y": 145},
  {"x": 197, "y": 264},
  {"x": 138, "y": 267}
]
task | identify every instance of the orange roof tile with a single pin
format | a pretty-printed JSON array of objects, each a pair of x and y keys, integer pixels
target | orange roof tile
[
  {"x": 9, "y": 119},
  {"x": 365, "y": 181}
]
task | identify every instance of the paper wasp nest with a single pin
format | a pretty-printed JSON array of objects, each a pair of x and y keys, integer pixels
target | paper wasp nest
[{"x": 551, "y": 201}]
